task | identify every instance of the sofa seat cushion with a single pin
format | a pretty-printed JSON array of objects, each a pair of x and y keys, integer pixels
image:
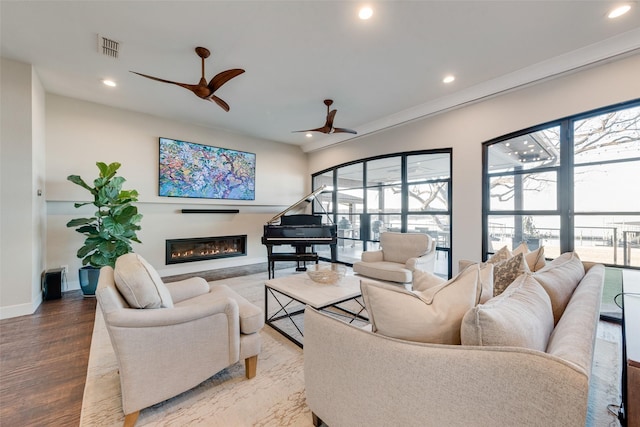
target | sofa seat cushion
[
  {"x": 384, "y": 270},
  {"x": 560, "y": 278},
  {"x": 140, "y": 284},
  {"x": 251, "y": 316},
  {"x": 430, "y": 316},
  {"x": 521, "y": 316}
]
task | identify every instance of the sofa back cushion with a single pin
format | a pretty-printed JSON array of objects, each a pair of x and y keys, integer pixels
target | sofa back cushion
[
  {"x": 560, "y": 278},
  {"x": 399, "y": 247},
  {"x": 521, "y": 316},
  {"x": 140, "y": 284},
  {"x": 433, "y": 315}
]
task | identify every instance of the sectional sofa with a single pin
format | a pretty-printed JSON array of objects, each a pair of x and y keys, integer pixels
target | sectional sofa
[{"x": 523, "y": 358}]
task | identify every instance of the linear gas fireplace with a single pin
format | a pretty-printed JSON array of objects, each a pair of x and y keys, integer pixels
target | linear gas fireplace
[{"x": 205, "y": 248}]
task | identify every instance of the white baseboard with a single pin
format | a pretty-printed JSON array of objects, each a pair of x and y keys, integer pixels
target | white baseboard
[{"x": 20, "y": 309}]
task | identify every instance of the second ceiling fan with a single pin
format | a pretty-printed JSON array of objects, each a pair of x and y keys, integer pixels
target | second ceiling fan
[
  {"x": 328, "y": 125},
  {"x": 202, "y": 89}
]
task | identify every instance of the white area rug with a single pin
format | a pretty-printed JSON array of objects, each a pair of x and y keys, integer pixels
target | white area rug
[{"x": 275, "y": 397}]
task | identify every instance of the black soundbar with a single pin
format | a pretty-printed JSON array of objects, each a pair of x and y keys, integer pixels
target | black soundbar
[{"x": 212, "y": 211}]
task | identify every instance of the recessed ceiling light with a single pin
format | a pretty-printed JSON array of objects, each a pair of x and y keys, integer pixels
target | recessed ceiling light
[
  {"x": 619, "y": 11},
  {"x": 308, "y": 135},
  {"x": 365, "y": 13},
  {"x": 448, "y": 79},
  {"x": 109, "y": 83}
]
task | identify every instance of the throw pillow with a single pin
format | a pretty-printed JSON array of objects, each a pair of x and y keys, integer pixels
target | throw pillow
[
  {"x": 560, "y": 278},
  {"x": 520, "y": 317},
  {"x": 535, "y": 259},
  {"x": 503, "y": 254},
  {"x": 423, "y": 280},
  {"x": 505, "y": 272},
  {"x": 140, "y": 284},
  {"x": 433, "y": 315},
  {"x": 521, "y": 249},
  {"x": 486, "y": 276}
]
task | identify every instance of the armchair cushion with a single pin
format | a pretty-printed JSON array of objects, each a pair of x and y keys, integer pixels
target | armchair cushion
[
  {"x": 188, "y": 288},
  {"x": 372, "y": 256},
  {"x": 140, "y": 284},
  {"x": 384, "y": 270},
  {"x": 399, "y": 247},
  {"x": 433, "y": 315}
]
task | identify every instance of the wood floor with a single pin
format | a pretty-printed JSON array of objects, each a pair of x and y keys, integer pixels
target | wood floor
[
  {"x": 43, "y": 363},
  {"x": 44, "y": 356}
]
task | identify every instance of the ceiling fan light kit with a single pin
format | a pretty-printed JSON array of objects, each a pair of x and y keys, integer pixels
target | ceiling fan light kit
[{"x": 203, "y": 89}]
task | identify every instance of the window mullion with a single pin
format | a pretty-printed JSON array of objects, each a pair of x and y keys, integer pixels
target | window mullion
[{"x": 565, "y": 187}]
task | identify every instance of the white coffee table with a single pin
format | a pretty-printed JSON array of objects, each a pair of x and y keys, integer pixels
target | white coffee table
[{"x": 292, "y": 293}]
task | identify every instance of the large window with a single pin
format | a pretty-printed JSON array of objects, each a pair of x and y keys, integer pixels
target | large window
[
  {"x": 569, "y": 185},
  {"x": 407, "y": 192}
]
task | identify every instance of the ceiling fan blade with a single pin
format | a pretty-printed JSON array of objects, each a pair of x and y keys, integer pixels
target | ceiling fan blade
[
  {"x": 220, "y": 102},
  {"x": 197, "y": 89},
  {"x": 344, "y": 130},
  {"x": 223, "y": 77},
  {"x": 330, "y": 117},
  {"x": 323, "y": 129}
]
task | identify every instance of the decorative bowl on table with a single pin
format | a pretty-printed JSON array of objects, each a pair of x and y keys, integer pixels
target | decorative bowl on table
[{"x": 327, "y": 274}]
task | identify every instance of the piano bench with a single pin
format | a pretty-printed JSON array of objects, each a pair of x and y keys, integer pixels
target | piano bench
[{"x": 298, "y": 258}]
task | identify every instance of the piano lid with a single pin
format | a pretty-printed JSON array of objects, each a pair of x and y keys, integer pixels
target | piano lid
[{"x": 308, "y": 198}]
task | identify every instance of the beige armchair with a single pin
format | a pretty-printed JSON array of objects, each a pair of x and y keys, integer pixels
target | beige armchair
[
  {"x": 168, "y": 338},
  {"x": 399, "y": 256}
]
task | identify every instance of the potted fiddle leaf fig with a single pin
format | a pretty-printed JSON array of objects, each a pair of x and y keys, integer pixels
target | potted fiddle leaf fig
[{"x": 112, "y": 229}]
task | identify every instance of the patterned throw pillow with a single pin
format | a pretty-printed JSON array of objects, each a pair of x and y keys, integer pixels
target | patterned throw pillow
[
  {"x": 505, "y": 272},
  {"x": 503, "y": 254}
]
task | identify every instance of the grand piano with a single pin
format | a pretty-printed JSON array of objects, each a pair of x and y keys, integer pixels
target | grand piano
[{"x": 301, "y": 231}]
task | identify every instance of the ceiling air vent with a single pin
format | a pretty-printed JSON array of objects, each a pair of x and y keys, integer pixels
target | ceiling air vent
[{"x": 108, "y": 47}]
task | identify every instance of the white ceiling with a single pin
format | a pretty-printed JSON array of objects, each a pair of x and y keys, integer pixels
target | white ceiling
[{"x": 379, "y": 72}]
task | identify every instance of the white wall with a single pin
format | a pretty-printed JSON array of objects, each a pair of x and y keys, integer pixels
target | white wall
[
  {"x": 79, "y": 134},
  {"x": 22, "y": 225},
  {"x": 465, "y": 129}
]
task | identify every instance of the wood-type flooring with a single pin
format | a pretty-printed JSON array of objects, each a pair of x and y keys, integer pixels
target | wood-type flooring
[
  {"x": 44, "y": 356},
  {"x": 43, "y": 363}
]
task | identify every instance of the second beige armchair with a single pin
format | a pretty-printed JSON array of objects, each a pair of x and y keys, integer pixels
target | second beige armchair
[{"x": 399, "y": 256}]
